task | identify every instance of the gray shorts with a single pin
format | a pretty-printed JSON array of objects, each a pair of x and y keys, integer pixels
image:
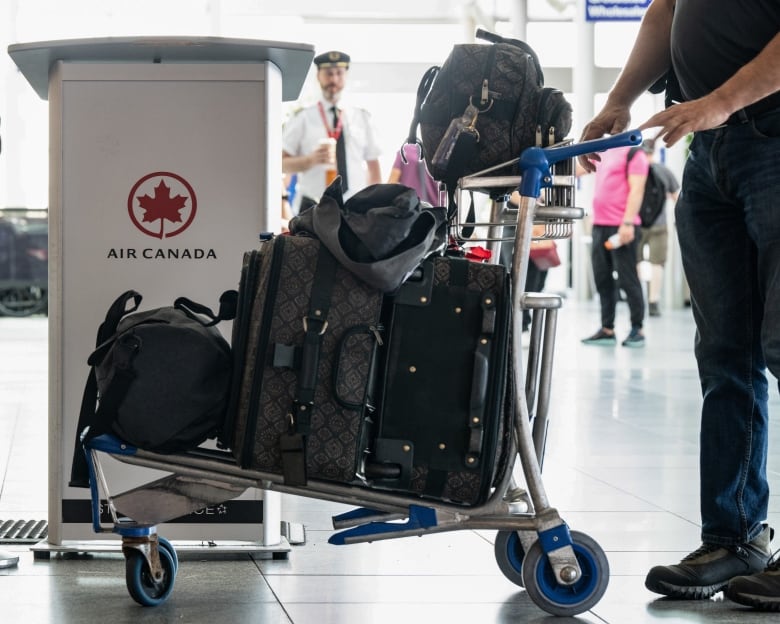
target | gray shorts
[{"x": 656, "y": 238}]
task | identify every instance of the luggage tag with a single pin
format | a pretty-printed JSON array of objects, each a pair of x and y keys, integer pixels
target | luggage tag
[{"x": 458, "y": 143}]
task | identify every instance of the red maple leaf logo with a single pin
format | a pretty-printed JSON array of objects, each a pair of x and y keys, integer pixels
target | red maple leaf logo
[
  {"x": 145, "y": 210},
  {"x": 162, "y": 205}
]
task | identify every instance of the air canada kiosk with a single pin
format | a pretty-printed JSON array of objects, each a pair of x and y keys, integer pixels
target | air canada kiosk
[{"x": 165, "y": 161}]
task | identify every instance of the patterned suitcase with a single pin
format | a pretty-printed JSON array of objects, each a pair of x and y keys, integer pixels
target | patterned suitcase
[
  {"x": 305, "y": 342},
  {"x": 445, "y": 404}
]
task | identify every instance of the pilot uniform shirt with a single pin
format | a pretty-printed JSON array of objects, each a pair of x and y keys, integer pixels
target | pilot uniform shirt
[{"x": 303, "y": 133}]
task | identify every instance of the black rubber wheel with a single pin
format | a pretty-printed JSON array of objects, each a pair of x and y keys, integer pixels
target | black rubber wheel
[
  {"x": 567, "y": 600},
  {"x": 510, "y": 553},
  {"x": 143, "y": 588},
  {"x": 164, "y": 543}
]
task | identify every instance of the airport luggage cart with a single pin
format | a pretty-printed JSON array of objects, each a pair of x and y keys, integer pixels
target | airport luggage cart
[{"x": 565, "y": 572}]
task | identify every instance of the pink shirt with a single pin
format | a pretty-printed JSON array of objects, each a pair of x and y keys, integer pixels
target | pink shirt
[{"x": 611, "y": 185}]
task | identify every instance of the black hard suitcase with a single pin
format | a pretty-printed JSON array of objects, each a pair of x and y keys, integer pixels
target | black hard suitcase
[
  {"x": 305, "y": 342},
  {"x": 444, "y": 409}
]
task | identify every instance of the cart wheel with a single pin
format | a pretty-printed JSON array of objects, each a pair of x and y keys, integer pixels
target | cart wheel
[
  {"x": 567, "y": 600},
  {"x": 164, "y": 543},
  {"x": 142, "y": 587},
  {"x": 509, "y": 555}
]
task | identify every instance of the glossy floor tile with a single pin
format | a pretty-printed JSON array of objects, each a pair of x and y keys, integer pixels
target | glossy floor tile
[{"x": 621, "y": 465}]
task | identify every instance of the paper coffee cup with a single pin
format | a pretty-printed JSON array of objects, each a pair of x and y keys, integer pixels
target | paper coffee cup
[
  {"x": 331, "y": 143},
  {"x": 331, "y": 171}
]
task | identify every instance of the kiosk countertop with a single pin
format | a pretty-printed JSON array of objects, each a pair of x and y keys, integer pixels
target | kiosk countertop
[{"x": 34, "y": 60}]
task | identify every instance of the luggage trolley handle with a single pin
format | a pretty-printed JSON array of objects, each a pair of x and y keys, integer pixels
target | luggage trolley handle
[{"x": 534, "y": 162}]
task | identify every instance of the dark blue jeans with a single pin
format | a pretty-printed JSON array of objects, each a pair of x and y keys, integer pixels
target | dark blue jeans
[{"x": 728, "y": 223}]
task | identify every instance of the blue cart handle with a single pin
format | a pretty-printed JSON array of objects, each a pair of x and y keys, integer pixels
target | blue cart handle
[{"x": 535, "y": 162}]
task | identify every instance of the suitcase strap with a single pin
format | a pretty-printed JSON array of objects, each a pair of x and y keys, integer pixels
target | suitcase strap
[
  {"x": 99, "y": 421},
  {"x": 315, "y": 324},
  {"x": 479, "y": 382},
  {"x": 482, "y": 354}
]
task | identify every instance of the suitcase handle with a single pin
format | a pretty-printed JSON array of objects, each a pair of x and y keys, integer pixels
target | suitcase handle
[
  {"x": 382, "y": 470},
  {"x": 479, "y": 392},
  {"x": 479, "y": 380}
]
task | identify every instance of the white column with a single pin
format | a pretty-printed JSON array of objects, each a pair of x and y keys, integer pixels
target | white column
[
  {"x": 583, "y": 81},
  {"x": 519, "y": 19}
]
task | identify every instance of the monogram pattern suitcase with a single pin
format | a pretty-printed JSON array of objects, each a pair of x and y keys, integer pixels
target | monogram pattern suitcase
[
  {"x": 443, "y": 417},
  {"x": 305, "y": 343}
]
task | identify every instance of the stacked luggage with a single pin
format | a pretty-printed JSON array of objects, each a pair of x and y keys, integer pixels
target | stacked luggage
[{"x": 336, "y": 380}]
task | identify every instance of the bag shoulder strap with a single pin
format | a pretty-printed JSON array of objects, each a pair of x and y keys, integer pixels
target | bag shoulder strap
[
  {"x": 228, "y": 304},
  {"x": 88, "y": 417},
  {"x": 116, "y": 312},
  {"x": 293, "y": 443},
  {"x": 423, "y": 89}
]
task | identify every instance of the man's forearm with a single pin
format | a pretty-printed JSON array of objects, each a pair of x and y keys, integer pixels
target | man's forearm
[
  {"x": 754, "y": 81},
  {"x": 295, "y": 164},
  {"x": 636, "y": 192},
  {"x": 650, "y": 58},
  {"x": 374, "y": 172}
]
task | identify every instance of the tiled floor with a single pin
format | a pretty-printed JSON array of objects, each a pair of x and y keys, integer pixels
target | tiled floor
[{"x": 621, "y": 466}]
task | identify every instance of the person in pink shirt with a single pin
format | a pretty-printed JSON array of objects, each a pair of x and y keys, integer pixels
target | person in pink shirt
[{"x": 618, "y": 191}]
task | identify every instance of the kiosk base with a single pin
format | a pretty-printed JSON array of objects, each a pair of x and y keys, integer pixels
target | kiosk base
[{"x": 217, "y": 549}]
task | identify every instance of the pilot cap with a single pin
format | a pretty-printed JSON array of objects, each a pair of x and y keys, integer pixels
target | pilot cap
[{"x": 333, "y": 58}]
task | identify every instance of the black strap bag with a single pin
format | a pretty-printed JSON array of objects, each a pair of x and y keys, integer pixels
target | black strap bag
[
  {"x": 380, "y": 234},
  {"x": 159, "y": 379}
]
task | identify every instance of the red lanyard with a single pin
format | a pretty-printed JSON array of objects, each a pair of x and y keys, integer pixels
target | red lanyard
[{"x": 333, "y": 133}]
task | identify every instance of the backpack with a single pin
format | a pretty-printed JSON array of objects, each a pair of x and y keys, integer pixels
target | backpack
[
  {"x": 483, "y": 107},
  {"x": 654, "y": 199},
  {"x": 159, "y": 379}
]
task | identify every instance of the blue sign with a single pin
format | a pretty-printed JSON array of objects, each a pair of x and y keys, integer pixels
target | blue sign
[{"x": 615, "y": 11}]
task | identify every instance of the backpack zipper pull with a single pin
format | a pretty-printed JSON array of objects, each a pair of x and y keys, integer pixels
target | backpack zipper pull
[{"x": 485, "y": 96}]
